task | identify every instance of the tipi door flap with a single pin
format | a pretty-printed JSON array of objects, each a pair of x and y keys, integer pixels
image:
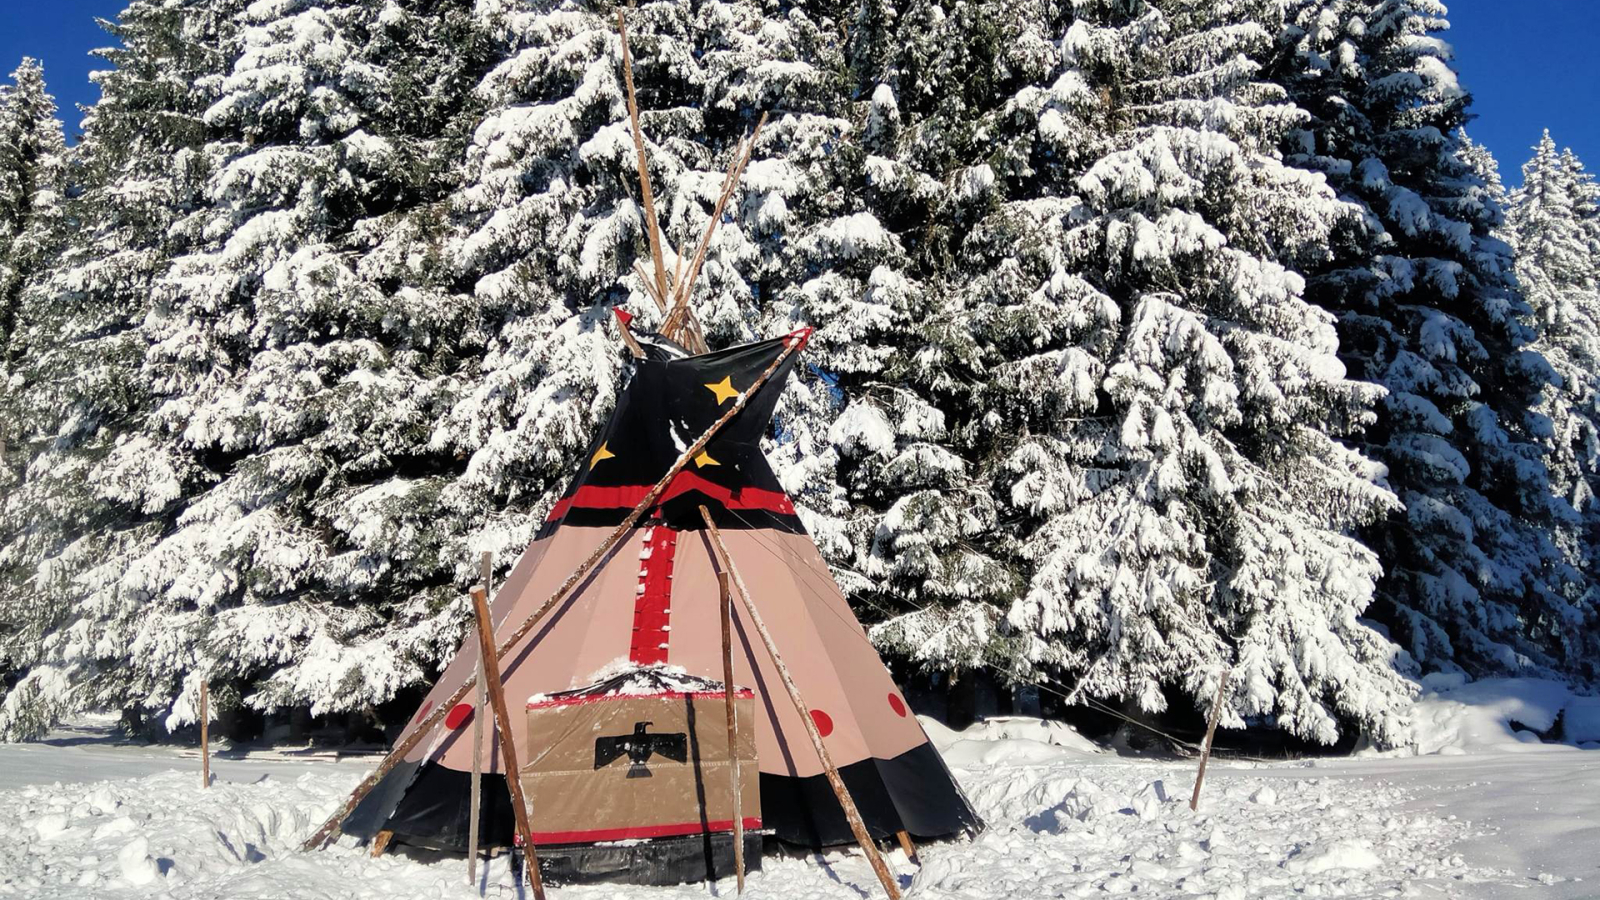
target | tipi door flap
[{"x": 611, "y": 768}]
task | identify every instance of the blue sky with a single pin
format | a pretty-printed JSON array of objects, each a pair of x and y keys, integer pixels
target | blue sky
[
  {"x": 60, "y": 33},
  {"x": 1530, "y": 64}
]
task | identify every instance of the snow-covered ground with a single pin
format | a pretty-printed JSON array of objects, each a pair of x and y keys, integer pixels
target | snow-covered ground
[{"x": 1491, "y": 816}]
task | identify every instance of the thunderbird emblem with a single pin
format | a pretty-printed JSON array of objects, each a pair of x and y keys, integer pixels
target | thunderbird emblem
[{"x": 639, "y": 747}]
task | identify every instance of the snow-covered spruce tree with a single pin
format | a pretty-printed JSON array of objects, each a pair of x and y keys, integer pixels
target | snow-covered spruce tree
[
  {"x": 942, "y": 154},
  {"x": 552, "y": 225},
  {"x": 33, "y": 173},
  {"x": 1187, "y": 501},
  {"x": 302, "y": 355},
  {"x": 296, "y": 357},
  {"x": 74, "y": 389},
  {"x": 1428, "y": 308},
  {"x": 1554, "y": 227}
]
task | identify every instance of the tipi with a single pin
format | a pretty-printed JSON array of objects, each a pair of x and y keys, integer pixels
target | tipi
[
  {"x": 654, "y": 599},
  {"x": 623, "y": 596}
]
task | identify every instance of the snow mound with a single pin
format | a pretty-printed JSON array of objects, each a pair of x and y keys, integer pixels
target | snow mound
[
  {"x": 159, "y": 835},
  {"x": 1341, "y": 854},
  {"x": 1497, "y": 715},
  {"x": 134, "y": 862},
  {"x": 1011, "y": 729},
  {"x": 1084, "y": 825}
]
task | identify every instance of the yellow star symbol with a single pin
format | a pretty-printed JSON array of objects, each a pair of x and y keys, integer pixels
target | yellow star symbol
[
  {"x": 724, "y": 390},
  {"x": 704, "y": 459},
  {"x": 600, "y": 454}
]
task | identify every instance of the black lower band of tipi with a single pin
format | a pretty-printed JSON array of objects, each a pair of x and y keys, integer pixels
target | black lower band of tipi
[
  {"x": 912, "y": 792},
  {"x": 428, "y": 804}
]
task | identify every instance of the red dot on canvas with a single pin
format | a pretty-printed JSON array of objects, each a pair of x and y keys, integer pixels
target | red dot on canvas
[
  {"x": 824, "y": 722},
  {"x": 898, "y": 705},
  {"x": 458, "y": 716}
]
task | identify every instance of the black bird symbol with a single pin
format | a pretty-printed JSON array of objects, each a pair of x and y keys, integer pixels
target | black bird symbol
[{"x": 640, "y": 746}]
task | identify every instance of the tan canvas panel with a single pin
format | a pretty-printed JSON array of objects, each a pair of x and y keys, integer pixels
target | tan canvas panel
[
  {"x": 613, "y": 768},
  {"x": 574, "y": 640},
  {"x": 828, "y": 653},
  {"x": 825, "y": 648}
]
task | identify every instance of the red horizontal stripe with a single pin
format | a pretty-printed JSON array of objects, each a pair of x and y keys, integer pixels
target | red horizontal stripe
[
  {"x": 638, "y": 832},
  {"x": 661, "y": 695},
  {"x": 591, "y": 496}
]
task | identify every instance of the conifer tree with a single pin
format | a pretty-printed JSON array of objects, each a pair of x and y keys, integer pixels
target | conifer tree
[
  {"x": 70, "y": 527},
  {"x": 550, "y": 224},
  {"x": 265, "y": 498},
  {"x": 33, "y": 187},
  {"x": 1554, "y": 226},
  {"x": 943, "y": 159},
  {"x": 33, "y": 183},
  {"x": 302, "y": 354},
  {"x": 1194, "y": 510},
  {"x": 1429, "y": 310}
]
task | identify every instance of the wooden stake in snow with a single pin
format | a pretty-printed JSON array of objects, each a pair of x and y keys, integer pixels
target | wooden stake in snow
[
  {"x": 906, "y": 845},
  {"x": 726, "y": 608},
  {"x": 426, "y": 726},
  {"x": 205, "y": 736},
  {"x": 477, "y": 750},
  {"x": 1211, "y": 733},
  {"x": 508, "y": 747},
  {"x": 851, "y": 813}
]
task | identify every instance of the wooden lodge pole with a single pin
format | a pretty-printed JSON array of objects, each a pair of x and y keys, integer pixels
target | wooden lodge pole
[
  {"x": 508, "y": 747},
  {"x": 1211, "y": 733},
  {"x": 647, "y": 195},
  {"x": 726, "y": 614},
  {"x": 205, "y": 735},
  {"x": 649, "y": 285},
  {"x": 477, "y": 748},
  {"x": 631, "y": 342},
  {"x": 423, "y": 728},
  {"x": 851, "y": 813},
  {"x": 680, "y": 304}
]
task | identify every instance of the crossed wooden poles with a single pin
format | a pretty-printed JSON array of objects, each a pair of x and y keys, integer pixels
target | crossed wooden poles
[{"x": 671, "y": 295}]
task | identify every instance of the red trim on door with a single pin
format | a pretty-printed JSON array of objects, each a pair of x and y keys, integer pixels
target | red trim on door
[{"x": 582, "y": 699}]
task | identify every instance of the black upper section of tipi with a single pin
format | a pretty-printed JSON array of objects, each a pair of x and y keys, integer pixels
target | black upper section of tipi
[{"x": 665, "y": 408}]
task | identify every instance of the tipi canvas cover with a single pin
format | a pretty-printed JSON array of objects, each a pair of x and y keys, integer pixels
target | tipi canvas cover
[{"x": 654, "y": 600}]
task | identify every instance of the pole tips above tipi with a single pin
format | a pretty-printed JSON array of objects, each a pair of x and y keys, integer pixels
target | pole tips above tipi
[{"x": 671, "y": 293}]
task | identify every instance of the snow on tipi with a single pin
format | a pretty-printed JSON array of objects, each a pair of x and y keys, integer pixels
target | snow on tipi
[{"x": 610, "y": 643}]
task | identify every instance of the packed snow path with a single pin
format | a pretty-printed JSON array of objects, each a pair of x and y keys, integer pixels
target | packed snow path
[{"x": 1063, "y": 822}]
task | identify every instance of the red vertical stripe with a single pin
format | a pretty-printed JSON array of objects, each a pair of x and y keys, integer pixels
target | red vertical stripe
[{"x": 652, "y": 607}]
